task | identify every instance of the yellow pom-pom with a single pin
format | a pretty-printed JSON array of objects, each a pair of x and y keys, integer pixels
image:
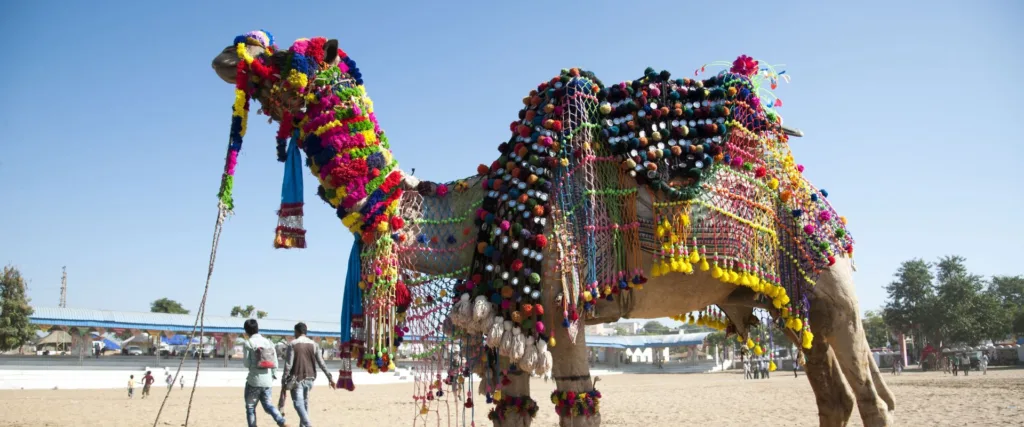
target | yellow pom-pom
[
  {"x": 391, "y": 365},
  {"x": 734, "y": 277},
  {"x": 424, "y": 410},
  {"x": 716, "y": 272},
  {"x": 758, "y": 350},
  {"x": 739, "y": 339},
  {"x": 773, "y": 183},
  {"x": 587, "y": 296},
  {"x": 771, "y": 366},
  {"x": 497, "y": 395},
  {"x": 704, "y": 264},
  {"x": 551, "y": 342},
  {"x": 694, "y": 256},
  {"x": 808, "y": 339},
  {"x": 797, "y": 324},
  {"x": 362, "y": 284},
  {"x": 382, "y": 227},
  {"x": 750, "y": 343},
  {"x": 686, "y": 267}
]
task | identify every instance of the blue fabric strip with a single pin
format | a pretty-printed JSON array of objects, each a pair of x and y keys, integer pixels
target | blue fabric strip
[
  {"x": 291, "y": 188},
  {"x": 352, "y": 299}
]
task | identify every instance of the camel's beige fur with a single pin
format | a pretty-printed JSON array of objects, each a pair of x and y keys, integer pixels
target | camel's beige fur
[{"x": 839, "y": 361}]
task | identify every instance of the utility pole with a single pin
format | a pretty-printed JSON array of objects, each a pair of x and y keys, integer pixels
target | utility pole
[{"x": 64, "y": 287}]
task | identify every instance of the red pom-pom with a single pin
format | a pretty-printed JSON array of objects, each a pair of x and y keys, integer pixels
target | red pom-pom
[
  {"x": 760, "y": 172},
  {"x": 539, "y": 309},
  {"x": 541, "y": 241},
  {"x": 482, "y": 170},
  {"x": 397, "y": 222},
  {"x": 517, "y": 265},
  {"x": 831, "y": 260},
  {"x": 556, "y": 126},
  {"x": 524, "y": 131}
]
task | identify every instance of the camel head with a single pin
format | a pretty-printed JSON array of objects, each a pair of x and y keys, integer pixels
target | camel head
[{"x": 278, "y": 78}]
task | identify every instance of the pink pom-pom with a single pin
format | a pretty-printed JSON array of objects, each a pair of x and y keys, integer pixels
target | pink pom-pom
[
  {"x": 442, "y": 189},
  {"x": 824, "y": 216},
  {"x": 540, "y": 327},
  {"x": 800, "y": 168},
  {"x": 506, "y": 304},
  {"x": 505, "y": 225},
  {"x": 809, "y": 228}
]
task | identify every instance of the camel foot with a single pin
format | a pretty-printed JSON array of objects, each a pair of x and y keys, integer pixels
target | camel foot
[
  {"x": 591, "y": 421},
  {"x": 832, "y": 420}
]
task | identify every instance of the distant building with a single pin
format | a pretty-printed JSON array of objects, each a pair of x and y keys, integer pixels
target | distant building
[{"x": 610, "y": 329}]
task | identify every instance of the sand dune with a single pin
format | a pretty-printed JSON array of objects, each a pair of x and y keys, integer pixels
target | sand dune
[{"x": 724, "y": 399}]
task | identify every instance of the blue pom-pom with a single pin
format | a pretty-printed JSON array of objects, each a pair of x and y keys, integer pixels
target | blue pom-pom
[
  {"x": 726, "y": 159},
  {"x": 623, "y": 284},
  {"x": 565, "y": 323},
  {"x": 824, "y": 193},
  {"x": 394, "y": 236},
  {"x": 814, "y": 197},
  {"x": 797, "y": 213},
  {"x": 489, "y": 251},
  {"x": 422, "y": 238},
  {"x": 609, "y": 297},
  {"x": 451, "y": 239},
  {"x": 495, "y": 298}
]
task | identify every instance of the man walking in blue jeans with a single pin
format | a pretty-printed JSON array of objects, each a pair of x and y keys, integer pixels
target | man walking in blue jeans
[
  {"x": 302, "y": 359},
  {"x": 259, "y": 356}
]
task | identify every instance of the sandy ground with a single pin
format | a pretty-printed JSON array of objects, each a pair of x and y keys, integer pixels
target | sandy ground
[{"x": 724, "y": 399}]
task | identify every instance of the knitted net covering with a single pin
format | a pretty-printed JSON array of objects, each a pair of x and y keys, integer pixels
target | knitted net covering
[{"x": 458, "y": 280}]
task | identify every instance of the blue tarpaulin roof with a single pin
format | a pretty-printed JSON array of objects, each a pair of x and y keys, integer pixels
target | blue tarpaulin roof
[
  {"x": 110, "y": 319},
  {"x": 110, "y": 345},
  {"x": 644, "y": 341}
]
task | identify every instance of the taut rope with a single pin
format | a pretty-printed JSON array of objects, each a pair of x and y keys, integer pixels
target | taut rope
[{"x": 222, "y": 213}]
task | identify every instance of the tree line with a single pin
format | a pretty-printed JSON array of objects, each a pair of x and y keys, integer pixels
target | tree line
[{"x": 943, "y": 303}]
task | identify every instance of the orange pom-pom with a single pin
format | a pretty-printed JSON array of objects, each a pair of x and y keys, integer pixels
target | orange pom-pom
[{"x": 482, "y": 169}]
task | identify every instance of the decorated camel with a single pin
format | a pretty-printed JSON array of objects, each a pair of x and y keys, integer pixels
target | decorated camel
[{"x": 655, "y": 197}]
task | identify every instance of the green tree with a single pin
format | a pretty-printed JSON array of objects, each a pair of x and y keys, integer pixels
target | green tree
[
  {"x": 619, "y": 330},
  {"x": 1010, "y": 292},
  {"x": 166, "y": 305},
  {"x": 874, "y": 328},
  {"x": 15, "y": 310},
  {"x": 718, "y": 338},
  {"x": 655, "y": 327},
  {"x": 238, "y": 311},
  {"x": 911, "y": 301},
  {"x": 969, "y": 313}
]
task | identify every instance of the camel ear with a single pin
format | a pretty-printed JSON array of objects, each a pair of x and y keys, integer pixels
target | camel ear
[{"x": 331, "y": 51}]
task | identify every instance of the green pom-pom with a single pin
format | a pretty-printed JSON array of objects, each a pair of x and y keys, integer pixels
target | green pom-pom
[
  {"x": 534, "y": 278},
  {"x": 840, "y": 233}
]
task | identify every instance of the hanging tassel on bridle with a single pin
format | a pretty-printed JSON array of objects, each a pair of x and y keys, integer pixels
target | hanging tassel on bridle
[{"x": 289, "y": 232}]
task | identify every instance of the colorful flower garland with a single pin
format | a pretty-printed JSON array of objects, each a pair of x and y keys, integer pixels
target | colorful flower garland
[
  {"x": 524, "y": 406},
  {"x": 576, "y": 404}
]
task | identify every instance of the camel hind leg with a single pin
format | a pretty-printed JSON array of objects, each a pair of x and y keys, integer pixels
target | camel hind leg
[
  {"x": 571, "y": 372},
  {"x": 831, "y": 393},
  {"x": 835, "y": 313}
]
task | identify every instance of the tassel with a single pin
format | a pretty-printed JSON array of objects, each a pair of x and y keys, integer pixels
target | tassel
[
  {"x": 496, "y": 331},
  {"x": 345, "y": 380},
  {"x": 457, "y": 312},
  {"x": 290, "y": 232},
  {"x": 529, "y": 359},
  {"x": 518, "y": 346},
  {"x": 506, "y": 339},
  {"x": 481, "y": 312},
  {"x": 542, "y": 353}
]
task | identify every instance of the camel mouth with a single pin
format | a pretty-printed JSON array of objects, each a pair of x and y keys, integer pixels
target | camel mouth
[{"x": 226, "y": 64}]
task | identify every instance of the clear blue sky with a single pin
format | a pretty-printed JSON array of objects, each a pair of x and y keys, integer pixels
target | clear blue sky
[{"x": 115, "y": 127}]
